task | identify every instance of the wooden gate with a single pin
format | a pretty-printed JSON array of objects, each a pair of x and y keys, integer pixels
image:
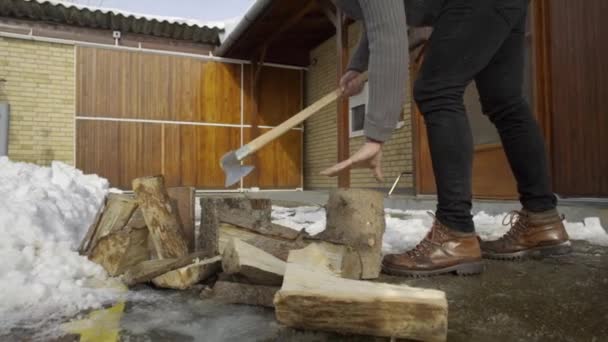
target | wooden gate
[{"x": 144, "y": 114}]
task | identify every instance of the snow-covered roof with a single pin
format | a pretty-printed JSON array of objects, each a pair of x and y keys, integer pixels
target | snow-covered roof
[
  {"x": 150, "y": 17},
  {"x": 113, "y": 19}
]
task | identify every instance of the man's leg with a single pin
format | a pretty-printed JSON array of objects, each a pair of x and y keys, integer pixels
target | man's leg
[
  {"x": 537, "y": 229},
  {"x": 500, "y": 89},
  {"x": 465, "y": 38}
]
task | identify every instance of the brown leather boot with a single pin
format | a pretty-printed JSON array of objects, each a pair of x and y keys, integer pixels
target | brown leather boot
[
  {"x": 442, "y": 251},
  {"x": 531, "y": 235}
]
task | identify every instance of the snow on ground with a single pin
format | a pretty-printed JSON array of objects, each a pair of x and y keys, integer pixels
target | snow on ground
[
  {"x": 44, "y": 214},
  {"x": 405, "y": 229}
]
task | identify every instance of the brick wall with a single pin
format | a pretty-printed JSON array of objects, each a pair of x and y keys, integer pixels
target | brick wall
[
  {"x": 40, "y": 88},
  {"x": 320, "y": 138}
]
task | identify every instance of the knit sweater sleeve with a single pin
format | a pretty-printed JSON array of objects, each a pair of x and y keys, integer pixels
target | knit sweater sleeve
[{"x": 360, "y": 59}]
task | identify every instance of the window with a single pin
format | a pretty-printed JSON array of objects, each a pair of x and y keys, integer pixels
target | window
[{"x": 358, "y": 109}]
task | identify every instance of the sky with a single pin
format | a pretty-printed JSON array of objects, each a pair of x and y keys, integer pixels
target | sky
[{"x": 205, "y": 10}]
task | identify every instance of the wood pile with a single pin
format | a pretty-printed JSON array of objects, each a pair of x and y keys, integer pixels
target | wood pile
[{"x": 316, "y": 282}]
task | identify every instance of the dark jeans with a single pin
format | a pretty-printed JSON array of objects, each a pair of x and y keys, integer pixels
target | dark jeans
[{"x": 480, "y": 40}]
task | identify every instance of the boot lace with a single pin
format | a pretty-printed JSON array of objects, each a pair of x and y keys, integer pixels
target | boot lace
[
  {"x": 425, "y": 246},
  {"x": 518, "y": 221}
]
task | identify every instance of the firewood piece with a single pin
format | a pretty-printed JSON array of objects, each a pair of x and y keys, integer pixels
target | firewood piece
[
  {"x": 137, "y": 220},
  {"x": 207, "y": 236},
  {"x": 254, "y": 215},
  {"x": 244, "y": 220},
  {"x": 313, "y": 297},
  {"x": 117, "y": 213},
  {"x": 355, "y": 218},
  {"x": 252, "y": 212},
  {"x": 183, "y": 200},
  {"x": 150, "y": 269},
  {"x": 120, "y": 250},
  {"x": 183, "y": 278},
  {"x": 160, "y": 217},
  {"x": 254, "y": 264},
  {"x": 88, "y": 238},
  {"x": 342, "y": 261},
  {"x": 239, "y": 293},
  {"x": 275, "y": 246}
]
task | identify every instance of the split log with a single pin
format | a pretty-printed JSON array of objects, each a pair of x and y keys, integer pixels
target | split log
[
  {"x": 160, "y": 217},
  {"x": 250, "y": 212},
  {"x": 254, "y": 264},
  {"x": 117, "y": 213},
  {"x": 355, "y": 218},
  {"x": 150, "y": 269},
  {"x": 182, "y": 199},
  {"x": 86, "y": 241},
  {"x": 275, "y": 246},
  {"x": 185, "y": 277},
  {"x": 137, "y": 220},
  {"x": 237, "y": 293},
  {"x": 313, "y": 297},
  {"x": 342, "y": 261},
  {"x": 207, "y": 236},
  {"x": 118, "y": 251}
]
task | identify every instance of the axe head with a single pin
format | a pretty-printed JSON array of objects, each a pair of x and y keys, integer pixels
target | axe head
[{"x": 233, "y": 169}]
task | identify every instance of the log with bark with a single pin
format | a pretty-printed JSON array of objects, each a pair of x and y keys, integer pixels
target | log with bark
[
  {"x": 207, "y": 234},
  {"x": 120, "y": 250},
  {"x": 117, "y": 213},
  {"x": 275, "y": 246},
  {"x": 148, "y": 270},
  {"x": 185, "y": 277},
  {"x": 313, "y": 297},
  {"x": 182, "y": 199},
  {"x": 355, "y": 218},
  {"x": 88, "y": 238},
  {"x": 252, "y": 263},
  {"x": 160, "y": 217},
  {"x": 246, "y": 212},
  {"x": 239, "y": 293}
]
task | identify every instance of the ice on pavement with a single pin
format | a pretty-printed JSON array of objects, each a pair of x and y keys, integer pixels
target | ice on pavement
[
  {"x": 179, "y": 316},
  {"x": 44, "y": 214},
  {"x": 405, "y": 228}
]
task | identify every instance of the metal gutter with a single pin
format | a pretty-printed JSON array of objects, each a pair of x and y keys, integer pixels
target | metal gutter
[
  {"x": 32, "y": 37},
  {"x": 256, "y": 10}
]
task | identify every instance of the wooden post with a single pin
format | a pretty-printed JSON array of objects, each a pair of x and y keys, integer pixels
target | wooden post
[{"x": 343, "y": 111}]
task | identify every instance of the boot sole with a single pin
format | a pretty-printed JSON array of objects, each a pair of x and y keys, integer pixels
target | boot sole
[
  {"x": 465, "y": 269},
  {"x": 536, "y": 252}
]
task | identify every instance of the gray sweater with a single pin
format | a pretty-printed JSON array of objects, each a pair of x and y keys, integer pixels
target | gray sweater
[{"x": 383, "y": 50}]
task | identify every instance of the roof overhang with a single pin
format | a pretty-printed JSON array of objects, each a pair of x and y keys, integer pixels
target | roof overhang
[{"x": 288, "y": 30}]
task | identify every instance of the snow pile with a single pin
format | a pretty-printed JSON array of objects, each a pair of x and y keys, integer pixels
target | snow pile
[
  {"x": 405, "y": 229},
  {"x": 44, "y": 214}
]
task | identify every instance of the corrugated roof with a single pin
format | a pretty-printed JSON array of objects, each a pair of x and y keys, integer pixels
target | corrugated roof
[{"x": 112, "y": 19}]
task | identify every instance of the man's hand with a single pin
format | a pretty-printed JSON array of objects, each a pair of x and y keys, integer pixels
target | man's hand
[
  {"x": 350, "y": 83},
  {"x": 369, "y": 156}
]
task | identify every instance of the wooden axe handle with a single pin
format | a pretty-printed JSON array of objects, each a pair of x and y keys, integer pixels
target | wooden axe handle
[{"x": 297, "y": 119}]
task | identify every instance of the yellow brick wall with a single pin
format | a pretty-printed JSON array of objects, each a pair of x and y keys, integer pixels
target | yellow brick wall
[
  {"x": 320, "y": 139},
  {"x": 40, "y": 88}
]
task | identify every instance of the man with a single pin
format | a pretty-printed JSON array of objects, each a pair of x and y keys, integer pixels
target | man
[{"x": 472, "y": 40}]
